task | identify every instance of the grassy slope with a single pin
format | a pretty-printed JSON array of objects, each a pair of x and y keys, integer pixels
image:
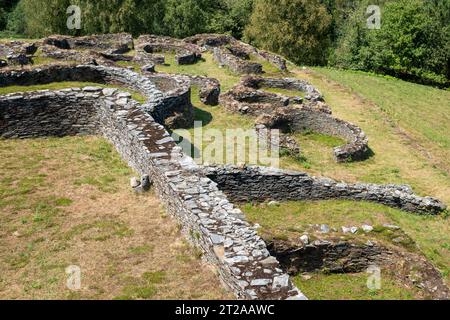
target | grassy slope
[
  {"x": 67, "y": 201},
  {"x": 350, "y": 287}
]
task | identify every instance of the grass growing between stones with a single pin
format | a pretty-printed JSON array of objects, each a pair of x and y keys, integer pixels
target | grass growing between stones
[
  {"x": 68, "y": 84},
  {"x": 67, "y": 201},
  {"x": 351, "y": 287}
]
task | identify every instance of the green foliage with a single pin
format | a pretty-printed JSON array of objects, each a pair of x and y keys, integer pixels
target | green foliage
[
  {"x": 136, "y": 17},
  {"x": 297, "y": 29},
  {"x": 186, "y": 17},
  {"x": 3, "y": 18},
  {"x": 179, "y": 18}
]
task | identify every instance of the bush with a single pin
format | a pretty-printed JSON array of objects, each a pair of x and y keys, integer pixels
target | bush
[{"x": 231, "y": 16}]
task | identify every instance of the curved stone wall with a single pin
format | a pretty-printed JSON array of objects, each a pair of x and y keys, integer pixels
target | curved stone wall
[
  {"x": 171, "y": 110},
  {"x": 356, "y": 149},
  {"x": 213, "y": 223},
  {"x": 293, "y": 114},
  {"x": 261, "y": 184},
  {"x": 177, "y": 98}
]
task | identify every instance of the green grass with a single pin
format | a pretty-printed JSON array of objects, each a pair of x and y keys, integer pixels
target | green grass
[
  {"x": 68, "y": 84},
  {"x": 352, "y": 287},
  {"x": 423, "y": 111},
  {"x": 285, "y": 92},
  {"x": 48, "y": 222},
  {"x": 215, "y": 118},
  {"x": 125, "y": 64}
]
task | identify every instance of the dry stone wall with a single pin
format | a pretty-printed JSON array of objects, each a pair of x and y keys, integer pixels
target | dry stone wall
[
  {"x": 185, "y": 53},
  {"x": 354, "y": 250},
  {"x": 355, "y": 149},
  {"x": 213, "y": 223},
  {"x": 224, "y": 57},
  {"x": 261, "y": 184},
  {"x": 196, "y": 195},
  {"x": 116, "y": 43},
  {"x": 238, "y": 48}
]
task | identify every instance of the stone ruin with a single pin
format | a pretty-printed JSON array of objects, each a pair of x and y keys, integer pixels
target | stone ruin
[
  {"x": 185, "y": 53},
  {"x": 198, "y": 196},
  {"x": 236, "y": 54},
  {"x": 16, "y": 53}
]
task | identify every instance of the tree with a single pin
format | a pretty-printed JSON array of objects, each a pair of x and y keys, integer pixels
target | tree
[{"x": 297, "y": 29}]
